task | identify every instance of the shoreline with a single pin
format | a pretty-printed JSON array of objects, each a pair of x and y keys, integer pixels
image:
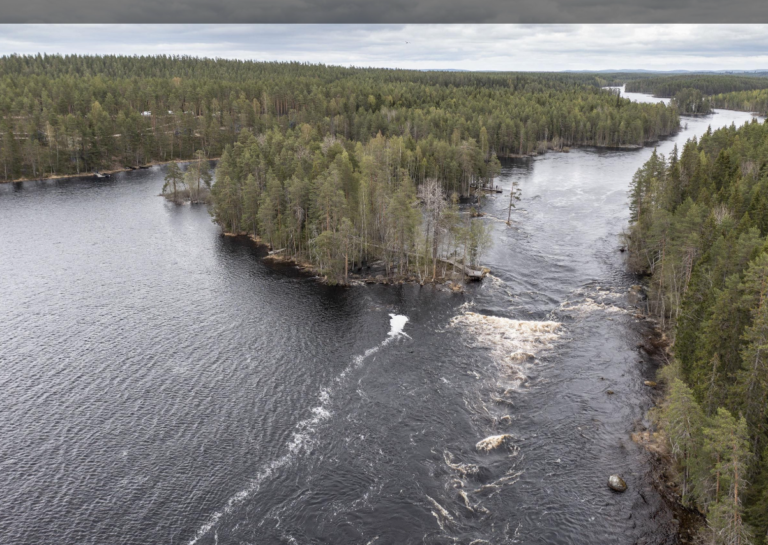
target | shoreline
[
  {"x": 453, "y": 281},
  {"x": 105, "y": 172},
  {"x": 535, "y": 153},
  {"x": 664, "y": 473},
  {"x": 568, "y": 149}
]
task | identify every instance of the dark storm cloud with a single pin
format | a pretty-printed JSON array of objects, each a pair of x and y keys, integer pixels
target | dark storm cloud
[{"x": 384, "y": 11}]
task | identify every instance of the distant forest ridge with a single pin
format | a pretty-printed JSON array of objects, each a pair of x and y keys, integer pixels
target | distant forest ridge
[{"x": 72, "y": 114}]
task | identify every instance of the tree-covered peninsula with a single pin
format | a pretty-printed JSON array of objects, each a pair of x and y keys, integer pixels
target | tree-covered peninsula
[
  {"x": 62, "y": 115},
  {"x": 708, "y": 84},
  {"x": 747, "y": 101},
  {"x": 698, "y": 94},
  {"x": 339, "y": 205},
  {"x": 700, "y": 229}
]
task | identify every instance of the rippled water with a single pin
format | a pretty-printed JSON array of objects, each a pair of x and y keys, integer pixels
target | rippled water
[{"x": 161, "y": 384}]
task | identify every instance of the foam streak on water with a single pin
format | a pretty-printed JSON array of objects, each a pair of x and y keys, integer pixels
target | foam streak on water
[{"x": 302, "y": 436}]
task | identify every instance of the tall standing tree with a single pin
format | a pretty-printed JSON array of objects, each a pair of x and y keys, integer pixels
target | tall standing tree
[
  {"x": 727, "y": 441},
  {"x": 433, "y": 197},
  {"x": 174, "y": 179}
]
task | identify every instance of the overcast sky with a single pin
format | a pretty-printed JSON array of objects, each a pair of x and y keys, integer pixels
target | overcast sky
[{"x": 469, "y": 47}]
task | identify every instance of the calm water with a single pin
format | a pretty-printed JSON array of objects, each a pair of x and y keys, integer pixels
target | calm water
[{"x": 161, "y": 384}]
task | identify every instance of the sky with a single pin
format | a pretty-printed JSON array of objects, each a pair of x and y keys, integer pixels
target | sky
[{"x": 515, "y": 47}]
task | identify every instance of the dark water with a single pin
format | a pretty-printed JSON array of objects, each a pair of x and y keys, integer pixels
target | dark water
[{"x": 161, "y": 384}]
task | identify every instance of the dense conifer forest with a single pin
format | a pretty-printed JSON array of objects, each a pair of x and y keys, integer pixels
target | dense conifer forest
[
  {"x": 669, "y": 86},
  {"x": 333, "y": 166},
  {"x": 692, "y": 102},
  {"x": 700, "y": 229},
  {"x": 338, "y": 204},
  {"x": 75, "y": 114},
  {"x": 747, "y": 101},
  {"x": 698, "y": 94}
]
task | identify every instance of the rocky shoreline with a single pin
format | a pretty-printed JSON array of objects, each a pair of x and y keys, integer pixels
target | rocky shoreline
[
  {"x": 373, "y": 273},
  {"x": 664, "y": 473}
]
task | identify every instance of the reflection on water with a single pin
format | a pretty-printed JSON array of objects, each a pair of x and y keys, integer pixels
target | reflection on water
[{"x": 162, "y": 385}]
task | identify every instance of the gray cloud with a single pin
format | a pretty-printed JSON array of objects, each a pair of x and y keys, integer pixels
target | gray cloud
[{"x": 471, "y": 47}]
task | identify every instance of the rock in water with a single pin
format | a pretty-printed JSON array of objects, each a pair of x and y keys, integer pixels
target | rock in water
[{"x": 617, "y": 483}]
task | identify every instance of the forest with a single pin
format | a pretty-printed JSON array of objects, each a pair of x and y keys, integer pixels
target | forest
[
  {"x": 747, "y": 101},
  {"x": 669, "y": 86},
  {"x": 337, "y": 204},
  {"x": 63, "y": 115},
  {"x": 700, "y": 230},
  {"x": 698, "y": 94},
  {"x": 691, "y": 102}
]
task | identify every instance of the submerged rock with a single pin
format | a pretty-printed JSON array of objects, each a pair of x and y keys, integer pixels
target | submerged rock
[
  {"x": 617, "y": 483},
  {"x": 493, "y": 442},
  {"x": 483, "y": 475}
]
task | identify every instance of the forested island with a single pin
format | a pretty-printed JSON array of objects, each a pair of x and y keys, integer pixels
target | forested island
[
  {"x": 700, "y": 230},
  {"x": 691, "y": 102}
]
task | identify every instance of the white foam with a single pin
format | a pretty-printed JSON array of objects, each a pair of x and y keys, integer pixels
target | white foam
[
  {"x": 461, "y": 468},
  {"x": 440, "y": 509},
  {"x": 397, "y": 324},
  {"x": 513, "y": 343},
  {"x": 589, "y": 305},
  {"x": 493, "y": 442}
]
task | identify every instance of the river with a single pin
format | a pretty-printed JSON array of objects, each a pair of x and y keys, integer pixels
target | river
[{"x": 162, "y": 384}]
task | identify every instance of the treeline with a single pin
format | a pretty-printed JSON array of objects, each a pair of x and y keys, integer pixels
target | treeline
[
  {"x": 340, "y": 204},
  {"x": 669, "y": 86},
  {"x": 699, "y": 227},
  {"x": 747, "y": 101},
  {"x": 73, "y": 114}
]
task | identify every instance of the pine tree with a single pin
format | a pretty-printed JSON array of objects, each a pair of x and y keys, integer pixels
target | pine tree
[
  {"x": 684, "y": 420},
  {"x": 174, "y": 180},
  {"x": 752, "y": 380},
  {"x": 727, "y": 442}
]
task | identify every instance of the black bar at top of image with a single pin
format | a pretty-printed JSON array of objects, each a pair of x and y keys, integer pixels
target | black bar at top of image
[{"x": 383, "y": 11}]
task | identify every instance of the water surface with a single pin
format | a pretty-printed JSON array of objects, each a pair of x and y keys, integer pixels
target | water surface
[{"x": 161, "y": 384}]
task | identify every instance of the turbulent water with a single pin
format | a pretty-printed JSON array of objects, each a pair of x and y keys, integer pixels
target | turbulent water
[{"x": 161, "y": 384}]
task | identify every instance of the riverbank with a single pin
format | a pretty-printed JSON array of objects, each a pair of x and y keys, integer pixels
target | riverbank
[
  {"x": 664, "y": 473},
  {"x": 535, "y": 153},
  {"x": 102, "y": 173},
  {"x": 568, "y": 149},
  {"x": 373, "y": 273}
]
